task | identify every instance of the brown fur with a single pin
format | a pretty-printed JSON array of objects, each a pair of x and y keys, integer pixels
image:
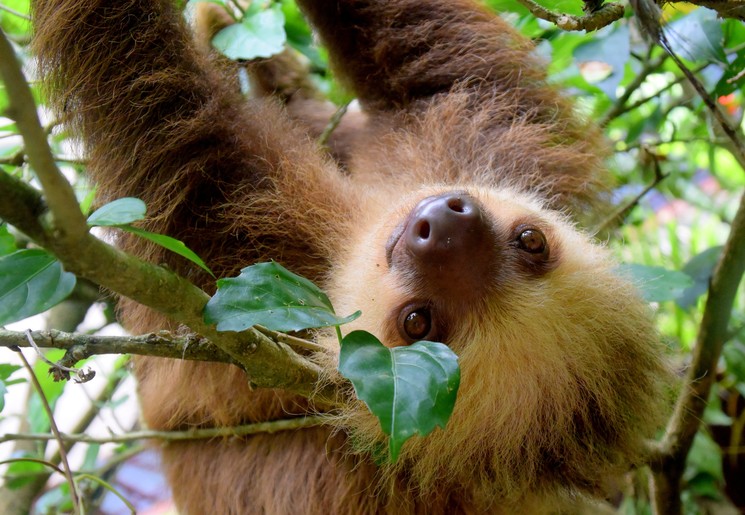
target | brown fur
[{"x": 561, "y": 371}]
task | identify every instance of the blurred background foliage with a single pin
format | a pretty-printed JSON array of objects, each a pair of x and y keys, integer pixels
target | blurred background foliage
[{"x": 661, "y": 139}]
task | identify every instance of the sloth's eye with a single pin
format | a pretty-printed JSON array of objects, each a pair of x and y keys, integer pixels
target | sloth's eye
[
  {"x": 415, "y": 323},
  {"x": 532, "y": 240}
]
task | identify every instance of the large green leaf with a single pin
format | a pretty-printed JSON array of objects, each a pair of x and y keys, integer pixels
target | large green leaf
[
  {"x": 409, "y": 389},
  {"x": 657, "y": 284},
  {"x": 697, "y": 36},
  {"x": 122, "y": 211},
  {"x": 260, "y": 34},
  {"x": 270, "y": 295},
  {"x": 31, "y": 281}
]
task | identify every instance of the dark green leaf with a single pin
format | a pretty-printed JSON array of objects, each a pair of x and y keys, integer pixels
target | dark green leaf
[
  {"x": 705, "y": 457},
  {"x": 31, "y": 281},
  {"x": 409, "y": 389},
  {"x": 270, "y": 295},
  {"x": 700, "y": 269},
  {"x": 657, "y": 284},
  {"x": 122, "y": 211},
  {"x": 261, "y": 34},
  {"x": 727, "y": 83},
  {"x": 171, "y": 244}
]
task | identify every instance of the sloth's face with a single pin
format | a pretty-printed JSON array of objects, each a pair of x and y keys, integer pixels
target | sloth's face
[{"x": 443, "y": 258}]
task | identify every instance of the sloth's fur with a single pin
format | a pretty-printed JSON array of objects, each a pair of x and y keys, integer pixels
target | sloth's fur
[{"x": 562, "y": 373}]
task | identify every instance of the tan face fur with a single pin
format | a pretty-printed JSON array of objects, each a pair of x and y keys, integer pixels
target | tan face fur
[{"x": 560, "y": 368}]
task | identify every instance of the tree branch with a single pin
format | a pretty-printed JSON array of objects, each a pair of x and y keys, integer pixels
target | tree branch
[
  {"x": 171, "y": 436},
  {"x": 668, "y": 463},
  {"x": 598, "y": 19},
  {"x": 68, "y": 221},
  {"x": 82, "y": 346}
]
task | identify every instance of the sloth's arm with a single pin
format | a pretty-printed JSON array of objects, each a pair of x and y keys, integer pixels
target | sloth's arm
[
  {"x": 159, "y": 122},
  {"x": 394, "y": 52}
]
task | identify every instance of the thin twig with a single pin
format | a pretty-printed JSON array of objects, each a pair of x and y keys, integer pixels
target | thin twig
[
  {"x": 172, "y": 436},
  {"x": 333, "y": 124},
  {"x": 620, "y": 214},
  {"x": 55, "y": 434},
  {"x": 650, "y": 66},
  {"x": 290, "y": 340},
  {"x": 82, "y": 376}
]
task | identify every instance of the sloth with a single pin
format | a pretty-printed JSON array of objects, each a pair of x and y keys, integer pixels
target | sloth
[{"x": 453, "y": 214}]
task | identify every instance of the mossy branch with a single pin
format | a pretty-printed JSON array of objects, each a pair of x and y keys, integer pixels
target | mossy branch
[{"x": 603, "y": 16}]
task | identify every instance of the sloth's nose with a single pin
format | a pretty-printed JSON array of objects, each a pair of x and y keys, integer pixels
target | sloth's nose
[
  {"x": 446, "y": 227},
  {"x": 449, "y": 246}
]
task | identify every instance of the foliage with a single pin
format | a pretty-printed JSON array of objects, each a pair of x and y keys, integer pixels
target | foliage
[{"x": 670, "y": 241}]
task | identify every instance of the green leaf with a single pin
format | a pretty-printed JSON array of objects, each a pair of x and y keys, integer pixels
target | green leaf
[
  {"x": 36, "y": 415},
  {"x": 705, "y": 458},
  {"x": 697, "y": 36},
  {"x": 5, "y": 371},
  {"x": 122, "y": 211},
  {"x": 270, "y": 295},
  {"x": 261, "y": 34},
  {"x": 31, "y": 282},
  {"x": 20, "y": 473},
  {"x": 727, "y": 83},
  {"x": 700, "y": 269},
  {"x": 7, "y": 241},
  {"x": 409, "y": 389},
  {"x": 171, "y": 244},
  {"x": 657, "y": 284},
  {"x": 11, "y": 23},
  {"x": 734, "y": 357}
]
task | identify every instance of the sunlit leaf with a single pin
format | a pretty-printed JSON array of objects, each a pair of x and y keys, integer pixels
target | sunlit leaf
[
  {"x": 410, "y": 389},
  {"x": 258, "y": 35},
  {"x": 270, "y": 295},
  {"x": 119, "y": 212}
]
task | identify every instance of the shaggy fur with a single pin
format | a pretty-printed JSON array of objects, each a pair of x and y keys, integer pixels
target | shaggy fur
[{"x": 561, "y": 371}]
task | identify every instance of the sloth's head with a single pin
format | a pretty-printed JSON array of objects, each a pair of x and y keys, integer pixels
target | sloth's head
[{"x": 561, "y": 371}]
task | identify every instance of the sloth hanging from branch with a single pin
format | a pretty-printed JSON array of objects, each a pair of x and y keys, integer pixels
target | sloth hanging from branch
[{"x": 447, "y": 212}]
